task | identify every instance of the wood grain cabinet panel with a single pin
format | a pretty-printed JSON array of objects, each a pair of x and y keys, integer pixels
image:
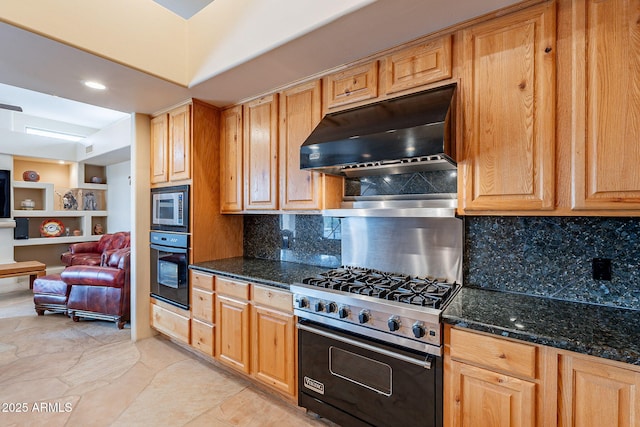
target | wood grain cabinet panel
[
  {"x": 232, "y": 333},
  {"x": 594, "y": 394},
  {"x": 273, "y": 349},
  {"x": 508, "y": 89},
  {"x": 261, "y": 153},
  {"x": 300, "y": 112},
  {"x": 354, "y": 84},
  {"x": 231, "y": 185},
  {"x": 171, "y": 321},
  {"x": 482, "y": 398},
  {"x": 418, "y": 65},
  {"x": 606, "y": 110},
  {"x": 180, "y": 143},
  {"x": 495, "y": 353},
  {"x": 159, "y": 156}
]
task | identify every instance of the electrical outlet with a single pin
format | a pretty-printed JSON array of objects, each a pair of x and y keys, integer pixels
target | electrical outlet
[{"x": 601, "y": 268}]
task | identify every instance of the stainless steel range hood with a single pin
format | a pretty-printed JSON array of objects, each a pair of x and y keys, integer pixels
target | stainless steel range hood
[{"x": 406, "y": 134}]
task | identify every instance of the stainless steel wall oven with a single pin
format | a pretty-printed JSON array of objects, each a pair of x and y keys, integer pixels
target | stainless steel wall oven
[{"x": 169, "y": 268}]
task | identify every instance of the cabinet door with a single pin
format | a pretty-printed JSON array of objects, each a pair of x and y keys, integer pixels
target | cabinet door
[
  {"x": 232, "y": 332},
  {"x": 418, "y": 65},
  {"x": 606, "y": 110},
  {"x": 159, "y": 155},
  {"x": 261, "y": 153},
  {"x": 231, "y": 160},
  {"x": 354, "y": 84},
  {"x": 180, "y": 143},
  {"x": 482, "y": 398},
  {"x": 273, "y": 359},
  {"x": 508, "y": 89},
  {"x": 594, "y": 394},
  {"x": 300, "y": 112}
]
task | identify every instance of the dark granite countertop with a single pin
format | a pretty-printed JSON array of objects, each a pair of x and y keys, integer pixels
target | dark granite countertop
[
  {"x": 608, "y": 332},
  {"x": 280, "y": 274}
]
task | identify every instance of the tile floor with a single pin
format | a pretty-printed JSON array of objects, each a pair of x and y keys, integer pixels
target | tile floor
[{"x": 54, "y": 372}]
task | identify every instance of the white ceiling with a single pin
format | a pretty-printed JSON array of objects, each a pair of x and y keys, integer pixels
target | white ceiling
[{"x": 37, "y": 63}]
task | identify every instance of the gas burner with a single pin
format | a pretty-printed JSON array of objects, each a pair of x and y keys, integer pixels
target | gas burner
[
  {"x": 379, "y": 284},
  {"x": 422, "y": 292}
]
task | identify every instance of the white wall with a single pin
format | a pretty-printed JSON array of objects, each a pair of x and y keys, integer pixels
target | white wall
[
  {"x": 119, "y": 197},
  {"x": 111, "y": 138},
  {"x": 6, "y": 234}
]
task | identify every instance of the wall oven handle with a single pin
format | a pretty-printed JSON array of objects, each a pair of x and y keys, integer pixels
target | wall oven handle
[
  {"x": 425, "y": 363},
  {"x": 168, "y": 249}
]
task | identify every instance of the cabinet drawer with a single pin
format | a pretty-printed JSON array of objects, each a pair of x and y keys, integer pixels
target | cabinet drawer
[
  {"x": 202, "y": 336},
  {"x": 232, "y": 288},
  {"x": 269, "y": 297},
  {"x": 202, "y": 280},
  {"x": 170, "y": 323},
  {"x": 418, "y": 65},
  {"x": 352, "y": 85},
  {"x": 202, "y": 307},
  {"x": 496, "y": 353}
]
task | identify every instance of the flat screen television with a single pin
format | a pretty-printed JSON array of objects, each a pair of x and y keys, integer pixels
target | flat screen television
[{"x": 5, "y": 194}]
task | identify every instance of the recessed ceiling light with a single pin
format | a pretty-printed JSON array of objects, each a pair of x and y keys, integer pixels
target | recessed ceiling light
[{"x": 94, "y": 85}]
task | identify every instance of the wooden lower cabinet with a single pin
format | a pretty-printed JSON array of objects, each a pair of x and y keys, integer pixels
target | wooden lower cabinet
[
  {"x": 274, "y": 340},
  {"x": 232, "y": 332},
  {"x": 484, "y": 398},
  {"x": 202, "y": 312},
  {"x": 171, "y": 321},
  {"x": 488, "y": 382},
  {"x": 595, "y": 394}
]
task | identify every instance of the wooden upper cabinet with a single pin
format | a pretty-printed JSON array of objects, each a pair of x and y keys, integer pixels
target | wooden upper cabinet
[
  {"x": 508, "y": 91},
  {"x": 180, "y": 143},
  {"x": 159, "y": 155},
  {"x": 418, "y": 65},
  {"x": 300, "y": 112},
  {"x": 261, "y": 153},
  {"x": 231, "y": 160},
  {"x": 354, "y": 84},
  {"x": 606, "y": 109}
]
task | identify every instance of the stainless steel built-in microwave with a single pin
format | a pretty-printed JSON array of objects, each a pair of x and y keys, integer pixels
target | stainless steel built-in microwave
[{"x": 170, "y": 208}]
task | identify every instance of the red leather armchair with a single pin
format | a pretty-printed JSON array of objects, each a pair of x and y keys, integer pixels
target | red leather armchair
[
  {"x": 100, "y": 292},
  {"x": 90, "y": 253}
]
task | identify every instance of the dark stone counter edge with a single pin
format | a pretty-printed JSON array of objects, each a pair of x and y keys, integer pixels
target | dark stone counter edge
[
  {"x": 619, "y": 355},
  {"x": 255, "y": 280}
]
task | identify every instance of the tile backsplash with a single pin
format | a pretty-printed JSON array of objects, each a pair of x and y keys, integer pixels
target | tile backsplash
[
  {"x": 542, "y": 256},
  {"x": 429, "y": 182},
  {"x": 552, "y": 257},
  {"x": 306, "y": 239}
]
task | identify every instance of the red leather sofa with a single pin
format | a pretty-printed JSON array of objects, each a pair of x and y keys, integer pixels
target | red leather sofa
[
  {"x": 100, "y": 292},
  {"x": 90, "y": 253}
]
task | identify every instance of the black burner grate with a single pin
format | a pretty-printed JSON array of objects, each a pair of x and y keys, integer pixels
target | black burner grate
[{"x": 391, "y": 286}]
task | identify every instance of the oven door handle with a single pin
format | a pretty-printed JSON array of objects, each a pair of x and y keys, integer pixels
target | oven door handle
[
  {"x": 425, "y": 363},
  {"x": 168, "y": 249}
]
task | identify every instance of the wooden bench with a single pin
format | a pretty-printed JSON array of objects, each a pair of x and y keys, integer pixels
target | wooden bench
[{"x": 32, "y": 269}]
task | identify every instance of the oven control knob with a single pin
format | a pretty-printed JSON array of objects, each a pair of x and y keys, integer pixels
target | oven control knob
[
  {"x": 319, "y": 306},
  {"x": 303, "y": 303},
  {"x": 418, "y": 330},
  {"x": 332, "y": 307},
  {"x": 393, "y": 323},
  {"x": 343, "y": 312},
  {"x": 363, "y": 316}
]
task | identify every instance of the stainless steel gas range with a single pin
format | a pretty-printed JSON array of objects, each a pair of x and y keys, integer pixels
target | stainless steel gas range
[{"x": 369, "y": 333}]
